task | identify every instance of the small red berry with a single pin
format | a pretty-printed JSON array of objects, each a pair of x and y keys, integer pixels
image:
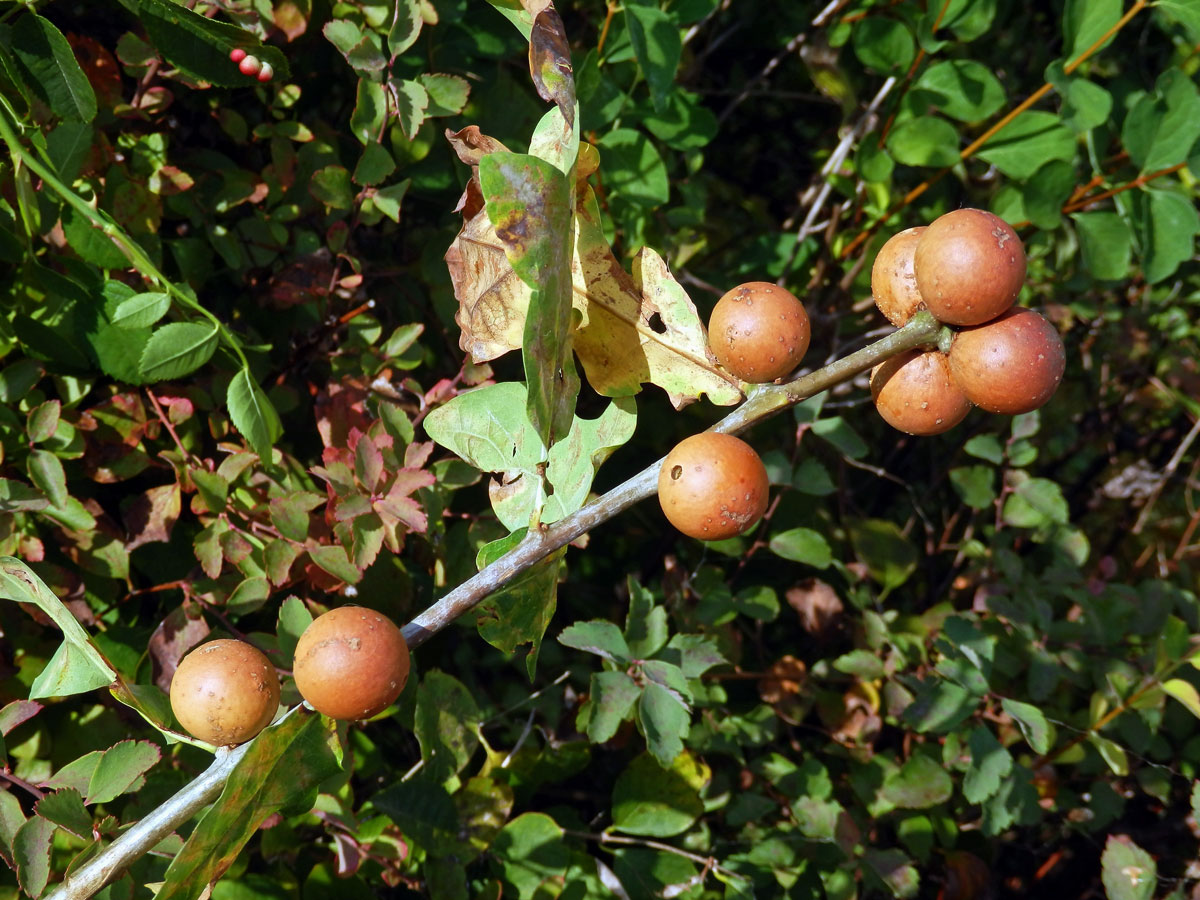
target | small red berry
[
  {"x": 237, "y": 54},
  {"x": 266, "y": 73},
  {"x": 250, "y": 65}
]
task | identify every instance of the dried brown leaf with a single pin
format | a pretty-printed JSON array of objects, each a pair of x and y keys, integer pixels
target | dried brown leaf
[
  {"x": 182, "y": 629},
  {"x": 152, "y": 515},
  {"x": 631, "y": 328},
  {"x": 817, "y": 604}
]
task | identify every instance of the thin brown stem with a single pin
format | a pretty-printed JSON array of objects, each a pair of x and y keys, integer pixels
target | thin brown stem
[
  {"x": 16, "y": 781},
  {"x": 1140, "y": 181},
  {"x": 1007, "y": 119},
  {"x": 162, "y": 417},
  {"x": 608, "y": 17}
]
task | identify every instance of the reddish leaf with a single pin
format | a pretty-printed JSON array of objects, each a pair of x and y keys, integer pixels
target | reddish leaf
[
  {"x": 417, "y": 454},
  {"x": 108, "y": 463},
  {"x": 31, "y": 850},
  {"x": 337, "y": 475},
  {"x": 398, "y": 506},
  {"x": 305, "y": 281},
  {"x": 349, "y": 508},
  {"x": 16, "y": 712},
  {"x": 100, "y": 67},
  {"x": 179, "y": 409},
  {"x": 124, "y": 414},
  {"x": 235, "y": 547},
  {"x": 401, "y": 511},
  {"x": 292, "y": 18},
  {"x": 182, "y": 629},
  {"x": 339, "y": 408},
  {"x": 170, "y": 179},
  {"x": 152, "y": 515},
  {"x": 31, "y": 549},
  {"x": 967, "y": 877},
  {"x": 279, "y": 557},
  {"x": 42, "y": 420},
  {"x": 319, "y": 579},
  {"x": 333, "y": 559},
  {"x": 368, "y": 463}
]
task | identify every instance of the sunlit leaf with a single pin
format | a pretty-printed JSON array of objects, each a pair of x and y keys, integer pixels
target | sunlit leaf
[{"x": 281, "y": 771}]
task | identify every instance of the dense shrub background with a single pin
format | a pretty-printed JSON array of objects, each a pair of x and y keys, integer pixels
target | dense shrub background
[{"x": 948, "y": 667}]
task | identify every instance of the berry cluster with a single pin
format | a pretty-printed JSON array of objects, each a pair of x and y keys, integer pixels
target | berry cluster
[
  {"x": 966, "y": 268},
  {"x": 251, "y": 65}
]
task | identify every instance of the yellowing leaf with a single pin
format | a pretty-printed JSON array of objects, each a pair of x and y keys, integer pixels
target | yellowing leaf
[
  {"x": 630, "y": 329},
  {"x": 1185, "y": 693}
]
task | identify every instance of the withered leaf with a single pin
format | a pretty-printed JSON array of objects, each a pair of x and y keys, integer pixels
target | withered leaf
[
  {"x": 550, "y": 62},
  {"x": 629, "y": 329},
  {"x": 152, "y": 515},
  {"x": 529, "y": 204},
  {"x": 817, "y": 604}
]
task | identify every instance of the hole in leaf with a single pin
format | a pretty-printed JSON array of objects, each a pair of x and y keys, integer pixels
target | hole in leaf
[{"x": 656, "y": 324}]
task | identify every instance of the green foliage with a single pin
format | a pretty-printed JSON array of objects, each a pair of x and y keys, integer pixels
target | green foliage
[{"x": 249, "y": 372}]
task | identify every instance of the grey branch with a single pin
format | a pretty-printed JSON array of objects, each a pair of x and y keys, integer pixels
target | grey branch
[
  {"x": 763, "y": 402},
  {"x": 142, "y": 837}
]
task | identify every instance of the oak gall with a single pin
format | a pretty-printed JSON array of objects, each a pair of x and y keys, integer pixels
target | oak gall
[
  {"x": 969, "y": 267},
  {"x": 759, "y": 332},
  {"x": 712, "y": 486},
  {"x": 893, "y": 279},
  {"x": 1011, "y": 365},
  {"x": 915, "y": 393},
  {"x": 351, "y": 663},
  {"x": 225, "y": 692}
]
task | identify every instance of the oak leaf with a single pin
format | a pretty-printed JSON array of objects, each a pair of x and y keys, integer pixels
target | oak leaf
[{"x": 630, "y": 328}]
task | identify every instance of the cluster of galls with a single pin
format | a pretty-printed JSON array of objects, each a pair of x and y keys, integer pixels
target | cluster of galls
[
  {"x": 350, "y": 663},
  {"x": 714, "y": 486},
  {"x": 967, "y": 269},
  {"x": 251, "y": 65}
]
